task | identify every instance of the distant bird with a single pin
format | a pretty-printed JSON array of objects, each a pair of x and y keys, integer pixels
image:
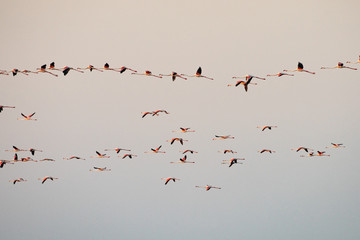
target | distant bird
[
  {"x": 74, "y": 157},
  {"x": 107, "y": 67},
  {"x": 167, "y": 180},
  {"x": 32, "y": 151},
  {"x": 66, "y": 70},
  {"x": 183, "y": 160},
  {"x": 217, "y": 137},
  {"x": 173, "y": 76},
  {"x": 99, "y": 169},
  {"x": 244, "y": 83},
  {"x": 188, "y": 151},
  {"x": 91, "y": 68},
  {"x": 198, "y": 74},
  {"x": 2, "y": 107},
  {"x": 247, "y": 77},
  {"x": 233, "y": 161},
  {"x": 184, "y": 130},
  {"x": 311, "y": 154},
  {"x": 129, "y": 156},
  {"x": 357, "y": 62},
  {"x": 227, "y": 151},
  {"x": 155, "y": 150},
  {"x": 28, "y": 159},
  {"x": 18, "y": 180},
  {"x": 159, "y": 111},
  {"x": 336, "y": 145},
  {"x": 339, "y": 65},
  {"x": 123, "y": 69},
  {"x": 279, "y": 75},
  {"x": 16, "y": 149},
  {"x": 15, "y": 158},
  {"x": 302, "y": 148},
  {"x": 266, "y": 150},
  {"x": 177, "y": 139},
  {"x": 46, "y": 178},
  {"x": 42, "y": 69},
  {"x": 144, "y": 114},
  {"x": 15, "y": 71},
  {"x": 99, "y": 155},
  {"x": 147, "y": 73},
  {"x": 47, "y": 159},
  {"x": 300, "y": 68},
  {"x": 27, "y": 117},
  {"x": 117, "y": 150},
  {"x": 267, "y": 127},
  {"x": 3, "y": 162},
  {"x": 207, "y": 187},
  {"x": 321, "y": 154}
]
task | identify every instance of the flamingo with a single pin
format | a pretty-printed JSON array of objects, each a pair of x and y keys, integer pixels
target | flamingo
[
  {"x": 2, "y": 107},
  {"x": 18, "y": 180},
  {"x": 339, "y": 65},
  {"x": 311, "y": 154},
  {"x": 249, "y": 77},
  {"x": 99, "y": 155},
  {"x": 100, "y": 169},
  {"x": 123, "y": 69},
  {"x": 336, "y": 145},
  {"x": 46, "y": 178},
  {"x": 322, "y": 154},
  {"x": 183, "y": 160},
  {"x": 3, "y": 162},
  {"x": 157, "y": 150},
  {"x": 177, "y": 139},
  {"x": 27, "y": 117},
  {"x": 117, "y": 150},
  {"x": 147, "y": 73},
  {"x": 91, "y": 68},
  {"x": 146, "y": 113},
  {"x": 302, "y": 148},
  {"x": 266, "y": 150},
  {"x": 32, "y": 151},
  {"x": 159, "y": 111},
  {"x": 245, "y": 83},
  {"x": 198, "y": 74},
  {"x": 16, "y": 149},
  {"x": 173, "y": 75},
  {"x": 167, "y": 180},
  {"x": 233, "y": 161},
  {"x": 300, "y": 68},
  {"x": 42, "y": 69},
  {"x": 357, "y": 62},
  {"x": 28, "y": 159},
  {"x": 47, "y": 159},
  {"x": 15, "y": 158},
  {"x": 217, "y": 137},
  {"x": 73, "y": 157},
  {"x": 184, "y": 130},
  {"x": 67, "y": 69},
  {"x": 208, "y": 187},
  {"x": 279, "y": 74},
  {"x": 227, "y": 151},
  {"x": 15, "y": 71},
  {"x": 190, "y": 151},
  {"x": 267, "y": 127},
  {"x": 129, "y": 156},
  {"x": 107, "y": 67}
]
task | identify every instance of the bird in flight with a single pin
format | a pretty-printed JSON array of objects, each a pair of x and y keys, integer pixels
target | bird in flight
[
  {"x": 300, "y": 68},
  {"x": 177, "y": 139},
  {"x": 74, "y": 157},
  {"x": 32, "y": 151},
  {"x": 217, "y": 137},
  {"x": 188, "y": 151},
  {"x": 18, "y": 180},
  {"x": 91, "y": 68},
  {"x": 27, "y": 117},
  {"x": 198, "y": 74},
  {"x": 46, "y": 178},
  {"x": 156, "y": 150},
  {"x": 129, "y": 156},
  {"x": 2, "y": 107},
  {"x": 147, "y": 73},
  {"x": 336, "y": 145},
  {"x": 244, "y": 83},
  {"x": 16, "y": 149},
  {"x": 339, "y": 65},
  {"x": 173, "y": 76},
  {"x": 117, "y": 150},
  {"x": 227, "y": 151},
  {"x": 280, "y": 74},
  {"x": 233, "y": 161},
  {"x": 99, "y": 155},
  {"x": 266, "y": 150},
  {"x": 167, "y": 180},
  {"x": 97, "y": 169},
  {"x": 208, "y": 187},
  {"x": 267, "y": 127},
  {"x": 183, "y": 160},
  {"x": 302, "y": 148},
  {"x": 184, "y": 130},
  {"x": 42, "y": 69}
]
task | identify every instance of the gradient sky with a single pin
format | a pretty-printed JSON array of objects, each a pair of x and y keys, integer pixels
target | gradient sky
[{"x": 271, "y": 196}]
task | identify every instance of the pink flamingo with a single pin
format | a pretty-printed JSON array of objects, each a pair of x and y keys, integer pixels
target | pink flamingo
[
  {"x": 300, "y": 68},
  {"x": 208, "y": 187},
  {"x": 74, "y": 157},
  {"x": 336, "y": 145},
  {"x": 156, "y": 150},
  {"x": 42, "y": 69},
  {"x": 46, "y": 178},
  {"x": 32, "y": 151},
  {"x": 99, "y": 155},
  {"x": 302, "y": 148},
  {"x": 117, "y": 150},
  {"x": 183, "y": 160},
  {"x": 267, "y": 127},
  {"x": 147, "y": 73},
  {"x": 177, "y": 139},
  {"x": 2, "y": 107},
  {"x": 184, "y": 130},
  {"x": 27, "y": 117},
  {"x": 339, "y": 65},
  {"x": 18, "y": 180},
  {"x": 129, "y": 156},
  {"x": 123, "y": 69},
  {"x": 16, "y": 149},
  {"x": 227, "y": 151},
  {"x": 188, "y": 151},
  {"x": 173, "y": 75},
  {"x": 167, "y": 180},
  {"x": 91, "y": 68},
  {"x": 266, "y": 150},
  {"x": 279, "y": 75},
  {"x": 198, "y": 74},
  {"x": 233, "y": 161},
  {"x": 97, "y": 169},
  {"x": 217, "y": 137}
]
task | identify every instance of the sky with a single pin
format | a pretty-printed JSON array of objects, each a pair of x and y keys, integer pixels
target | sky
[{"x": 270, "y": 196}]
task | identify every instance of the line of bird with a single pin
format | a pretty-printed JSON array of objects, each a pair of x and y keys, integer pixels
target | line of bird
[{"x": 246, "y": 82}]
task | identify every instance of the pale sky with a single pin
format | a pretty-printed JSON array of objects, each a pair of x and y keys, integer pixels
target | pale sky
[{"x": 270, "y": 196}]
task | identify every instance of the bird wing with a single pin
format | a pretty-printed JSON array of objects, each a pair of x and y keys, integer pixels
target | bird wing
[
  {"x": 66, "y": 71},
  {"x": 198, "y": 72},
  {"x": 32, "y": 114},
  {"x": 300, "y": 65}
]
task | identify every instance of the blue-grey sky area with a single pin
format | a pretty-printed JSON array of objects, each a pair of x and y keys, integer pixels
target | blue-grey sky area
[{"x": 277, "y": 195}]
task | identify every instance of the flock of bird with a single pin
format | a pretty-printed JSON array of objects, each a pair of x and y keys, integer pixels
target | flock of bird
[{"x": 184, "y": 159}]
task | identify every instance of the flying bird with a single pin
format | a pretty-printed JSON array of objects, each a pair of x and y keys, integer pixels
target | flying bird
[
  {"x": 27, "y": 117},
  {"x": 97, "y": 169},
  {"x": 42, "y": 69},
  {"x": 227, "y": 151},
  {"x": 117, "y": 150},
  {"x": 300, "y": 68},
  {"x": 302, "y": 148},
  {"x": 233, "y": 161},
  {"x": 167, "y": 180},
  {"x": 129, "y": 156},
  {"x": 18, "y": 180},
  {"x": 123, "y": 69},
  {"x": 280, "y": 74},
  {"x": 16, "y": 149},
  {"x": 99, "y": 155},
  {"x": 46, "y": 178},
  {"x": 74, "y": 157},
  {"x": 183, "y": 160},
  {"x": 208, "y": 187},
  {"x": 177, "y": 139},
  {"x": 198, "y": 74},
  {"x": 339, "y": 65},
  {"x": 336, "y": 145},
  {"x": 91, "y": 68},
  {"x": 267, "y": 127},
  {"x": 173, "y": 76},
  {"x": 147, "y": 73},
  {"x": 188, "y": 151},
  {"x": 266, "y": 150},
  {"x": 2, "y": 107},
  {"x": 217, "y": 137},
  {"x": 155, "y": 150},
  {"x": 32, "y": 151}
]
